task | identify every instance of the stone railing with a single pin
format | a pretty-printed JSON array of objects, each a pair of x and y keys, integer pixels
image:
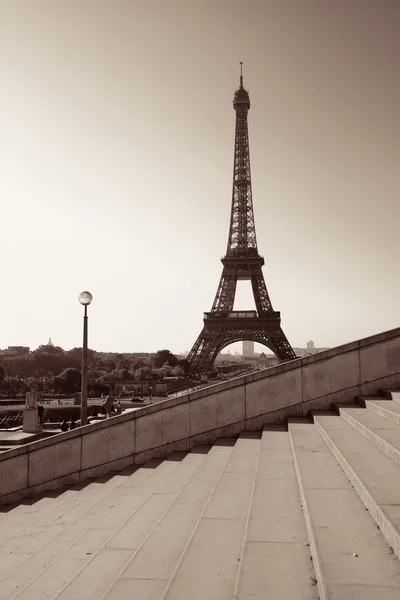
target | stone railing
[{"x": 221, "y": 410}]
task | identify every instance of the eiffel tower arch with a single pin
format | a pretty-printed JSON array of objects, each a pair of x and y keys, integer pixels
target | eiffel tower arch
[{"x": 223, "y": 325}]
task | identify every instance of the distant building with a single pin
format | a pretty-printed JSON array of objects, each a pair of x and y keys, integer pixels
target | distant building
[
  {"x": 19, "y": 349},
  {"x": 248, "y": 348},
  {"x": 311, "y": 349},
  {"x": 270, "y": 360}
]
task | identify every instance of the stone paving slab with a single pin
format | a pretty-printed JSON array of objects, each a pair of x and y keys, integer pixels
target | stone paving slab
[
  {"x": 209, "y": 567},
  {"x": 276, "y": 570},
  {"x": 140, "y": 589},
  {"x": 97, "y": 577},
  {"x": 21, "y": 437}
]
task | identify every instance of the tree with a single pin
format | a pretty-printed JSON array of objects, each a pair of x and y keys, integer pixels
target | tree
[
  {"x": 32, "y": 384},
  {"x": 98, "y": 386},
  {"x": 57, "y": 385},
  {"x": 162, "y": 372},
  {"x": 72, "y": 380},
  {"x": 164, "y": 356},
  {"x": 48, "y": 359},
  {"x": 177, "y": 372},
  {"x": 143, "y": 374},
  {"x": 138, "y": 364},
  {"x": 122, "y": 374},
  {"x": 122, "y": 364},
  {"x": 185, "y": 364},
  {"x": 2, "y": 373}
]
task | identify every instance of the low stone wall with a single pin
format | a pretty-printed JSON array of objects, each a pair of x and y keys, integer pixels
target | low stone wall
[{"x": 224, "y": 409}]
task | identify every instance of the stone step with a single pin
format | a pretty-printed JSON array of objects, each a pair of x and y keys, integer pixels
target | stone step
[
  {"x": 154, "y": 562},
  {"x": 276, "y": 560},
  {"x": 30, "y": 535},
  {"x": 32, "y": 508},
  {"x": 390, "y": 394},
  {"x": 90, "y": 564},
  {"x": 385, "y": 408},
  {"x": 350, "y": 556},
  {"x": 17, "y": 533},
  {"x": 44, "y": 548},
  {"x": 210, "y": 563},
  {"x": 380, "y": 431},
  {"x": 374, "y": 476}
]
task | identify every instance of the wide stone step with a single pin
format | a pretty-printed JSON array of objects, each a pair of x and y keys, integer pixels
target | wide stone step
[
  {"x": 351, "y": 558},
  {"x": 385, "y": 408},
  {"x": 154, "y": 562},
  {"x": 75, "y": 538},
  {"x": 90, "y": 565},
  {"x": 18, "y": 516},
  {"x": 276, "y": 559},
  {"x": 374, "y": 476},
  {"x": 43, "y": 531},
  {"x": 210, "y": 562},
  {"x": 56, "y": 506},
  {"x": 380, "y": 431}
]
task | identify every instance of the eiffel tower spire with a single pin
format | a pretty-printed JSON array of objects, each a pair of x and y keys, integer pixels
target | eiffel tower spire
[
  {"x": 223, "y": 325},
  {"x": 242, "y": 233}
]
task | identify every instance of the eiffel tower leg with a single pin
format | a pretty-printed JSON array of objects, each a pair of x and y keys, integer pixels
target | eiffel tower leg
[
  {"x": 260, "y": 293},
  {"x": 225, "y": 295},
  {"x": 281, "y": 347},
  {"x": 200, "y": 352}
]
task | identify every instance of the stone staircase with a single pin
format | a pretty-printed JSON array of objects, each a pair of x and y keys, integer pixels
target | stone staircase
[{"x": 302, "y": 512}]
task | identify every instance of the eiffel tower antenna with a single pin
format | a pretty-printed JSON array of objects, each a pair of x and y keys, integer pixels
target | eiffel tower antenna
[{"x": 223, "y": 325}]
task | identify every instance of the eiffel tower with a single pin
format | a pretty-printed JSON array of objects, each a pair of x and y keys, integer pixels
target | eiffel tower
[{"x": 223, "y": 325}]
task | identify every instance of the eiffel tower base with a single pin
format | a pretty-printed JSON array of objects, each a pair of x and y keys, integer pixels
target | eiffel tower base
[{"x": 220, "y": 331}]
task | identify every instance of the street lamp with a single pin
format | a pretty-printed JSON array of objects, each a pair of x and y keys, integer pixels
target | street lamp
[{"x": 85, "y": 299}]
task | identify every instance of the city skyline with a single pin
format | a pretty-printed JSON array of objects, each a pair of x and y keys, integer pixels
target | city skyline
[{"x": 116, "y": 169}]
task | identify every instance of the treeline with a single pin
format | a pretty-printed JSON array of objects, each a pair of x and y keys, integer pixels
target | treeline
[{"x": 52, "y": 370}]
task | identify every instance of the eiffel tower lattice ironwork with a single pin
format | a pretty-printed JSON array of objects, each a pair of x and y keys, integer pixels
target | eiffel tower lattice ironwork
[{"x": 223, "y": 325}]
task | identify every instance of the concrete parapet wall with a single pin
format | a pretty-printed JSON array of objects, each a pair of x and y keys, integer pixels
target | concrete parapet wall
[{"x": 223, "y": 409}]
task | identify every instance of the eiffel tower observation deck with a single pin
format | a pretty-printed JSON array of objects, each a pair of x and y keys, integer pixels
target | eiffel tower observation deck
[{"x": 223, "y": 325}]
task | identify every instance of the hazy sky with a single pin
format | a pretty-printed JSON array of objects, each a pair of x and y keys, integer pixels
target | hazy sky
[{"x": 116, "y": 154}]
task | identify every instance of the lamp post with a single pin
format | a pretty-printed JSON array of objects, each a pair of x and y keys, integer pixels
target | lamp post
[{"x": 85, "y": 299}]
